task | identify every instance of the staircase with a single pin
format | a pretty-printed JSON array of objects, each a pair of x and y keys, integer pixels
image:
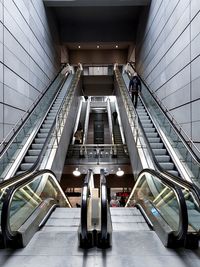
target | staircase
[
  {"x": 39, "y": 140},
  {"x": 161, "y": 154}
]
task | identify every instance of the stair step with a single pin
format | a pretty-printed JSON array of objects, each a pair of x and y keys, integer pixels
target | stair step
[
  {"x": 150, "y": 130},
  {"x": 37, "y": 146},
  {"x": 163, "y": 158},
  {"x": 147, "y": 125},
  {"x": 154, "y": 140},
  {"x": 42, "y": 135},
  {"x": 44, "y": 130},
  {"x": 34, "y": 152},
  {"x": 162, "y": 151},
  {"x": 152, "y": 135},
  {"x": 167, "y": 165},
  {"x": 173, "y": 172},
  {"x": 25, "y": 166},
  {"x": 145, "y": 121},
  {"x": 30, "y": 159},
  {"x": 46, "y": 126},
  {"x": 39, "y": 140},
  {"x": 156, "y": 145}
]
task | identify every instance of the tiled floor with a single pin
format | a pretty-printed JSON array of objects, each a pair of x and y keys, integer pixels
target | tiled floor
[{"x": 56, "y": 245}]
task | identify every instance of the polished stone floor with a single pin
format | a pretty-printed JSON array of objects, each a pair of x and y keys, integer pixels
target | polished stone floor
[{"x": 133, "y": 245}]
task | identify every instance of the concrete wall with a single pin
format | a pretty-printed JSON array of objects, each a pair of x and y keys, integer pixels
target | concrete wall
[
  {"x": 168, "y": 58},
  {"x": 28, "y": 58}
]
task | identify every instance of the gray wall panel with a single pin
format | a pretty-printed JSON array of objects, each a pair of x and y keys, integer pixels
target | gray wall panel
[
  {"x": 1, "y": 82},
  {"x": 1, "y": 121},
  {"x": 195, "y": 7},
  {"x": 29, "y": 57},
  {"x": 169, "y": 58}
]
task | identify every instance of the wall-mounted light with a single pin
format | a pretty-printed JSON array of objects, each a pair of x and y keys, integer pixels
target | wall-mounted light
[
  {"x": 76, "y": 172},
  {"x": 119, "y": 172},
  {"x": 97, "y": 46},
  {"x": 79, "y": 46},
  {"x": 116, "y": 46}
]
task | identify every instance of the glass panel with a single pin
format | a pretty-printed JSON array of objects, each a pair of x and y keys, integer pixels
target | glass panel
[
  {"x": 157, "y": 199},
  {"x": 191, "y": 166},
  {"x": 193, "y": 211},
  {"x": 35, "y": 117},
  {"x": 27, "y": 198}
]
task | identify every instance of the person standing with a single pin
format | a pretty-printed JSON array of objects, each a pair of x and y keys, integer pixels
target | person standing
[
  {"x": 135, "y": 88},
  {"x": 115, "y": 116}
]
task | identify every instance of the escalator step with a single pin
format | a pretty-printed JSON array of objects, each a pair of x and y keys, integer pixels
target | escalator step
[
  {"x": 37, "y": 146},
  {"x": 154, "y": 140},
  {"x": 174, "y": 172},
  {"x": 30, "y": 159},
  {"x": 156, "y": 145},
  {"x": 167, "y": 165},
  {"x": 152, "y": 135},
  {"x": 34, "y": 152},
  {"x": 144, "y": 121},
  {"x": 162, "y": 151},
  {"x": 39, "y": 140},
  {"x": 149, "y": 125},
  {"x": 163, "y": 158},
  {"x": 44, "y": 130},
  {"x": 42, "y": 135},
  {"x": 26, "y": 166},
  {"x": 150, "y": 130},
  {"x": 46, "y": 126}
]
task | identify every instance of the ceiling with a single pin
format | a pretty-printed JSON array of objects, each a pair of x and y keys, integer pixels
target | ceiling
[{"x": 86, "y": 24}]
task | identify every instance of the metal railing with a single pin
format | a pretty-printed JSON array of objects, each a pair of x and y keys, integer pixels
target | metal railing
[{"x": 97, "y": 154}]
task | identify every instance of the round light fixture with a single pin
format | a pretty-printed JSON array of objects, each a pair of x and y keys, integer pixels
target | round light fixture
[
  {"x": 76, "y": 172},
  {"x": 119, "y": 172}
]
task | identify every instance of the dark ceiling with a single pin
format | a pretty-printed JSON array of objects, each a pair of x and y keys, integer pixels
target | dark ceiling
[{"x": 89, "y": 22}]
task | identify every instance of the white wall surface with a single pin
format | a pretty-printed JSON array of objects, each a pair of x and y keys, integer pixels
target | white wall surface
[
  {"x": 168, "y": 58},
  {"x": 28, "y": 58}
]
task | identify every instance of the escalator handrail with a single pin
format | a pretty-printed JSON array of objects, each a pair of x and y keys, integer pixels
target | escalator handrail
[
  {"x": 104, "y": 206},
  {"x": 22, "y": 176},
  {"x": 190, "y": 186},
  {"x": 180, "y": 182},
  {"x": 181, "y": 233},
  {"x": 84, "y": 205},
  {"x": 192, "y": 153},
  {"x": 7, "y": 233},
  {"x": 22, "y": 123}
]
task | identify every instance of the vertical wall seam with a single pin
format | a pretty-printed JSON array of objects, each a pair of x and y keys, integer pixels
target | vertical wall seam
[
  {"x": 190, "y": 68},
  {"x": 3, "y": 96}
]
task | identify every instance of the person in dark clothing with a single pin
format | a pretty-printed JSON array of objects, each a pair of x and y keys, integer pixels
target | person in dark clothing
[
  {"x": 115, "y": 116},
  {"x": 135, "y": 88}
]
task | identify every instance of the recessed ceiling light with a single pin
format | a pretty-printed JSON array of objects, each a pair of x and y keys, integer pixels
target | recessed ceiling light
[
  {"x": 120, "y": 172},
  {"x": 76, "y": 172}
]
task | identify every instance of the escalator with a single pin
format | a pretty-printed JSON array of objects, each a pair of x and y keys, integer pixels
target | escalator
[
  {"x": 161, "y": 154},
  {"x": 171, "y": 207},
  {"x": 95, "y": 225},
  {"x": 167, "y": 148},
  {"x": 26, "y": 204},
  {"x": 41, "y": 129}
]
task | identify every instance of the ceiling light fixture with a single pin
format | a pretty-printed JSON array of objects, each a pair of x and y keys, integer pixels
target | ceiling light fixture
[
  {"x": 119, "y": 172},
  {"x": 76, "y": 172}
]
